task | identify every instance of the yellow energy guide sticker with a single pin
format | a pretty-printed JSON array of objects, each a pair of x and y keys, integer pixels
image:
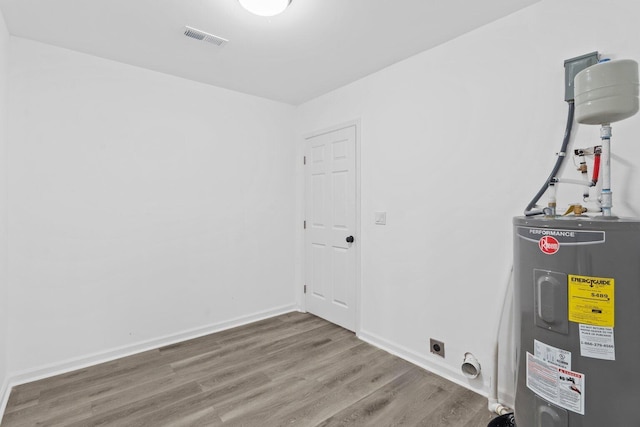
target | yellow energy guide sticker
[{"x": 591, "y": 300}]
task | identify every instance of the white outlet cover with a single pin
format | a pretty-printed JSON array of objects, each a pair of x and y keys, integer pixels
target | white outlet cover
[{"x": 380, "y": 218}]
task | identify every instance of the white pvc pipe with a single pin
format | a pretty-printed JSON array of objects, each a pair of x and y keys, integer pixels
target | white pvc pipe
[
  {"x": 553, "y": 191},
  {"x": 494, "y": 404},
  {"x": 573, "y": 181},
  {"x": 605, "y": 170},
  {"x": 470, "y": 366},
  {"x": 551, "y": 204},
  {"x": 585, "y": 179}
]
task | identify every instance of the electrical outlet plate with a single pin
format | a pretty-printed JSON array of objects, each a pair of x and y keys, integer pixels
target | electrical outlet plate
[{"x": 437, "y": 347}]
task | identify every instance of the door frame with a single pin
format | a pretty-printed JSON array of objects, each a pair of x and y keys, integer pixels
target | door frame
[{"x": 357, "y": 247}]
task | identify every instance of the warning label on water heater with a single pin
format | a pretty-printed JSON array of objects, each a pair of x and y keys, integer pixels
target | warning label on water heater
[
  {"x": 591, "y": 300},
  {"x": 559, "y": 386}
]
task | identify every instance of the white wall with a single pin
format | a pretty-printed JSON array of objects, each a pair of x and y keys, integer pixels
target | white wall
[
  {"x": 4, "y": 52},
  {"x": 143, "y": 208},
  {"x": 455, "y": 142}
]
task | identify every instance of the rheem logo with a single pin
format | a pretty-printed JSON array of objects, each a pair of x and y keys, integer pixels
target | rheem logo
[{"x": 549, "y": 245}]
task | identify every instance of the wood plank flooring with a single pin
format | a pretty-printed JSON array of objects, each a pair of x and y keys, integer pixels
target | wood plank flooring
[{"x": 295, "y": 369}]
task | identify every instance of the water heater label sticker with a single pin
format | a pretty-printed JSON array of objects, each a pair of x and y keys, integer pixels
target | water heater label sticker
[
  {"x": 591, "y": 300},
  {"x": 597, "y": 342},
  {"x": 555, "y": 356},
  {"x": 562, "y": 387}
]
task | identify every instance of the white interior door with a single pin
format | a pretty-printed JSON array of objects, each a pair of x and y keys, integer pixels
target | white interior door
[{"x": 330, "y": 212}]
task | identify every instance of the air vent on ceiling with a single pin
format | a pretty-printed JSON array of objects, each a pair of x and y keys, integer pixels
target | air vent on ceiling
[{"x": 201, "y": 35}]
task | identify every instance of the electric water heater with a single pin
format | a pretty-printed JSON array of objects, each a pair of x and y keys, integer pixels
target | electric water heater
[
  {"x": 577, "y": 277},
  {"x": 578, "y": 317}
]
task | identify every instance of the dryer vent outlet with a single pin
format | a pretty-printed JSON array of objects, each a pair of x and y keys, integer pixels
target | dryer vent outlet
[{"x": 437, "y": 347}]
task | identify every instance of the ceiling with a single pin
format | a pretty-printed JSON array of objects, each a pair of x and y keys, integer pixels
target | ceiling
[{"x": 315, "y": 46}]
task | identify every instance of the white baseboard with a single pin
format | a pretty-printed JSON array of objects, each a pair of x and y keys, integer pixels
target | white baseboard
[
  {"x": 93, "y": 359},
  {"x": 441, "y": 370},
  {"x": 5, "y": 390},
  {"x": 69, "y": 365}
]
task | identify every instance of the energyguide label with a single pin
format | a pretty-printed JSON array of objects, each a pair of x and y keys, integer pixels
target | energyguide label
[{"x": 591, "y": 300}]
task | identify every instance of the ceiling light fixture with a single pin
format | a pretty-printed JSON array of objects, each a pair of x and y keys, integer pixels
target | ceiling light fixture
[{"x": 265, "y": 7}]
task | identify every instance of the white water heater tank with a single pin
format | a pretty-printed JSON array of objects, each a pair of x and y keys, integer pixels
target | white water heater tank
[{"x": 606, "y": 92}]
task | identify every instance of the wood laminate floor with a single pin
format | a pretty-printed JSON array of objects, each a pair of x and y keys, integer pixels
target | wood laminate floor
[{"x": 294, "y": 369}]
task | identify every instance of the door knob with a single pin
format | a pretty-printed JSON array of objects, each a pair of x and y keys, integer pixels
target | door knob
[{"x": 350, "y": 239}]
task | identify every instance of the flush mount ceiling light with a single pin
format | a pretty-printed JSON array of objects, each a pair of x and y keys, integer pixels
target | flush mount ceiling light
[{"x": 265, "y": 7}]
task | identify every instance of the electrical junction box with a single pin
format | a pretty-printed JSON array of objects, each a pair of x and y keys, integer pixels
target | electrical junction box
[{"x": 572, "y": 67}]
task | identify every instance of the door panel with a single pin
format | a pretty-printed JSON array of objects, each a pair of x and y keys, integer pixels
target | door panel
[{"x": 330, "y": 211}]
